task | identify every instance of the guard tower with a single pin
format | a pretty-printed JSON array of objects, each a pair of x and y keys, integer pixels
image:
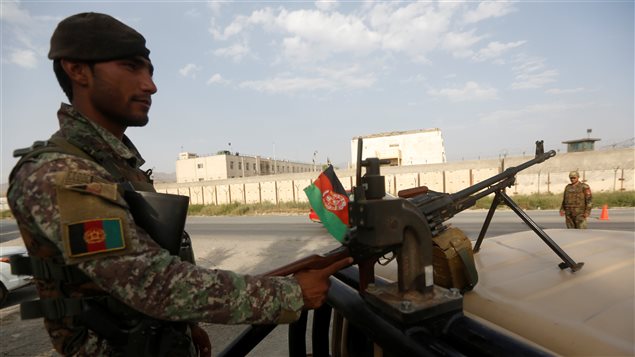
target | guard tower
[{"x": 586, "y": 144}]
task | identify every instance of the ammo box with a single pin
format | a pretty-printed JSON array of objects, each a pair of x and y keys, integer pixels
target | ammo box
[{"x": 454, "y": 260}]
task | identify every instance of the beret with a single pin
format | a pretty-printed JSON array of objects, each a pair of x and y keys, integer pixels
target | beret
[{"x": 96, "y": 37}]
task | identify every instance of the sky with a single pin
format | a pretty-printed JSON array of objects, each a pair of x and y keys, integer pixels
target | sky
[{"x": 297, "y": 80}]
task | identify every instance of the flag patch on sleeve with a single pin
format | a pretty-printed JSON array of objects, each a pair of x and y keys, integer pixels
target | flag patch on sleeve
[{"x": 94, "y": 236}]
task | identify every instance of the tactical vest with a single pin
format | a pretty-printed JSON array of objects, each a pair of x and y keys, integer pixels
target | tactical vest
[
  {"x": 574, "y": 196},
  {"x": 71, "y": 303}
]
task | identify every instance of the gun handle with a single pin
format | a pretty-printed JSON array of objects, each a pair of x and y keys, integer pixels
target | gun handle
[
  {"x": 366, "y": 274},
  {"x": 314, "y": 261}
]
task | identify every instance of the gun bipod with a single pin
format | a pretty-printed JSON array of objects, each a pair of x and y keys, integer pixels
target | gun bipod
[{"x": 502, "y": 197}]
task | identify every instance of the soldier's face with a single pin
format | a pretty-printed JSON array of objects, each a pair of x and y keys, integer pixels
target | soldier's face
[
  {"x": 121, "y": 90},
  {"x": 574, "y": 179}
]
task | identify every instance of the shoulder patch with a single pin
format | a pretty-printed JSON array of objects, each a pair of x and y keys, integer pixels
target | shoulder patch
[
  {"x": 92, "y": 226},
  {"x": 93, "y": 236}
]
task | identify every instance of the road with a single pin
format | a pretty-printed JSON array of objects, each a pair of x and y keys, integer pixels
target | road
[
  {"x": 288, "y": 227},
  {"x": 256, "y": 244}
]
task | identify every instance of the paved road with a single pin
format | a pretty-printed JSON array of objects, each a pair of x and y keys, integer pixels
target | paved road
[{"x": 470, "y": 222}]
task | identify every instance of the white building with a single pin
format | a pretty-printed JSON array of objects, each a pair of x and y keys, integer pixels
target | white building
[
  {"x": 192, "y": 168},
  {"x": 403, "y": 148}
]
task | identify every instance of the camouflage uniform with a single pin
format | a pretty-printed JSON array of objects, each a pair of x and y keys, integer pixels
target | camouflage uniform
[
  {"x": 576, "y": 203},
  {"x": 53, "y": 192}
]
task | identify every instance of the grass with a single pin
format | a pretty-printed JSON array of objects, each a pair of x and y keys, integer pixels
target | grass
[
  {"x": 239, "y": 209},
  {"x": 526, "y": 202},
  {"x": 553, "y": 201}
]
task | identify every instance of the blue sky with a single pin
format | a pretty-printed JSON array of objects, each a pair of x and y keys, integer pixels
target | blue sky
[{"x": 286, "y": 79}]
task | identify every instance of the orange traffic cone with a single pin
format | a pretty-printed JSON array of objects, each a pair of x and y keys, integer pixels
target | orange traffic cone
[{"x": 604, "y": 216}]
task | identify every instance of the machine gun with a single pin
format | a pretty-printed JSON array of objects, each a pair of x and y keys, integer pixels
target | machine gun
[{"x": 411, "y": 316}]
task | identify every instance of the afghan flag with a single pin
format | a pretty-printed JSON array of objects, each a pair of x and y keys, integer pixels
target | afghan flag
[
  {"x": 330, "y": 202},
  {"x": 96, "y": 236}
]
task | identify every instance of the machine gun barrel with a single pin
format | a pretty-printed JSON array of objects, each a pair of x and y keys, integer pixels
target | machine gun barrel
[
  {"x": 508, "y": 173},
  {"x": 438, "y": 207}
]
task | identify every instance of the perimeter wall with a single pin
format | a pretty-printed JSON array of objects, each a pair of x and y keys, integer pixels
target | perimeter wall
[{"x": 604, "y": 171}]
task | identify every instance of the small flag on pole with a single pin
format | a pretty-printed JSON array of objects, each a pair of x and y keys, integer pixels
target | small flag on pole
[{"x": 329, "y": 200}]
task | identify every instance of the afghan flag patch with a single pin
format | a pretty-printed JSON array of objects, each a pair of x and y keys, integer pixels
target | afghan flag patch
[
  {"x": 95, "y": 236},
  {"x": 330, "y": 202}
]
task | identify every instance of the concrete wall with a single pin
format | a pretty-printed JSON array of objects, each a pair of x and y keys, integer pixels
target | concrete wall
[{"x": 604, "y": 171}]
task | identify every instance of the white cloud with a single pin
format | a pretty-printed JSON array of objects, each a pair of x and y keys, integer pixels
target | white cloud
[
  {"x": 471, "y": 91},
  {"x": 26, "y": 35},
  {"x": 313, "y": 35},
  {"x": 528, "y": 112},
  {"x": 558, "y": 91},
  {"x": 459, "y": 43},
  {"x": 326, "y": 5},
  {"x": 236, "y": 52},
  {"x": 217, "y": 78},
  {"x": 190, "y": 70},
  {"x": 23, "y": 58},
  {"x": 488, "y": 9},
  {"x": 495, "y": 49},
  {"x": 531, "y": 73},
  {"x": 11, "y": 13},
  {"x": 419, "y": 78},
  {"x": 325, "y": 79}
]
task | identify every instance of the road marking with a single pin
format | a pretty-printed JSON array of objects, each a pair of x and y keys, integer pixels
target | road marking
[{"x": 10, "y": 232}]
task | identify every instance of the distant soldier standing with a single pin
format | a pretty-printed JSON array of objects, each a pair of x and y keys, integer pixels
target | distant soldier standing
[{"x": 576, "y": 203}]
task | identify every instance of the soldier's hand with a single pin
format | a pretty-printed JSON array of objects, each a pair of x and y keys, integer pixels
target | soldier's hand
[{"x": 315, "y": 283}]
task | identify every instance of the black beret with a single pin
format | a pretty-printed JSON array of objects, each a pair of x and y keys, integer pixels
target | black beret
[{"x": 96, "y": 37}]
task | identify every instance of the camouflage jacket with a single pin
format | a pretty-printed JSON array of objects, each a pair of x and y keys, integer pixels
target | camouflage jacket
[
  {"x": 56, "y": 198},
  {"x": 577, "y": 199}
]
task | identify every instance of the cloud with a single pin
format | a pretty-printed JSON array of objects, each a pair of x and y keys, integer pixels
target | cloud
[
  {"x": 326, "y": 5},
  {"x": 495, "y": 49},
  {"x": 531, "y": 73},
  {"x": 529, "y": 112},
  {"x": 315, "y": 34},
  {"x": 324, "y": 79},
  {"x": 235, "y": 52},
  {"x": 558, "y": 91},
  {"x": 307, "y": 35},
  {"x": 12, "y": 14},
  {"x": 459, "y": 43},
  {"x": 488, "y": 9},
  {"x": 217, "y": 78},
  {"x": 190, "y": 70},
  {"x": 27, "y": 36},
  {"x": 23, "y": 58},
  {"x": 471, "y": 91}
]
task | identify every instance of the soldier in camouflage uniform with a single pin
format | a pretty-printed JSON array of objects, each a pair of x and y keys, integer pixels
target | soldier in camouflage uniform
[
  {"x": 106, "y": 287},
  {"x": 576, "y": 203}
]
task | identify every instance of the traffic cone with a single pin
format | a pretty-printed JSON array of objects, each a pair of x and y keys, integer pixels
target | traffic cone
[{"x": 604, "y": 216}]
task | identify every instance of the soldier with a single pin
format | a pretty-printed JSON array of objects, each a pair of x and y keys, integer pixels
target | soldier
[
  {"x": 106, "y": 287},
  {"x": 576, "y": 203}
]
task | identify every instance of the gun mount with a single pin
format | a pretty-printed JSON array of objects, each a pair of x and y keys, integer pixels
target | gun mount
[{"x": 411, "y": 316}]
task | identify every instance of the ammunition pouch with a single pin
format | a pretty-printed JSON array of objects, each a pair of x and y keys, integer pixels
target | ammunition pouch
[{"x": 453, "y": 260}]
